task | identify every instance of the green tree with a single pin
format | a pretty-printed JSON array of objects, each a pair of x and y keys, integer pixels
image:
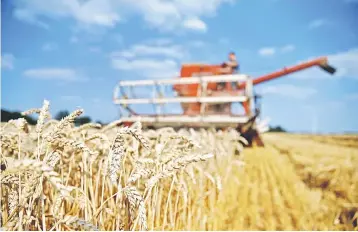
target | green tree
[
  {"x": 277, "y": 129},
  {"x": 82, "y": 120},
  {"x": 99, "y": 122},
  {"x": 60, "y": 115},
  {"x": 8, "y": 115}
]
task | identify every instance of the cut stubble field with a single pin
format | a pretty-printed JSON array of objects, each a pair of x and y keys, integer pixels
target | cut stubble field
[{"x": 55, "y": 176}]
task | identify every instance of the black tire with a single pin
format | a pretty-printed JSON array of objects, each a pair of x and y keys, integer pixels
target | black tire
[{"x": 249, "y": 137}]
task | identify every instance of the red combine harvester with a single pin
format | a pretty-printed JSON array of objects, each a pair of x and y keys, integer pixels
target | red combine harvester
[{"x": 202, "y": 103}]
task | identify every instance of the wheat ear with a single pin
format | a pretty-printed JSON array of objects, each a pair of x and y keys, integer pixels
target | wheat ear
[
  {"x": 136, "y": 200},
  {"x": 42, "y": 116},
  {"x": 175, "y": 165},
  {"x": 66, "y": 121}
]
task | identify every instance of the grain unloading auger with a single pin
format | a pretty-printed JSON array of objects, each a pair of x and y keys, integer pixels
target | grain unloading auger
[{"x": 202, "y": 104}]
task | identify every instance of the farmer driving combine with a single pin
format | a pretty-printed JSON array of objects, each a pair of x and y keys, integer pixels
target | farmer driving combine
[{"x": 229, "y": 67}]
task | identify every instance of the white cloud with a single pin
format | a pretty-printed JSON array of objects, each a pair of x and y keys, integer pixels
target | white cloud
[
  {"x": 118, "y": 38},
  {"x": 345, "y": 63},
  {"x": 147, "y": 67},
  {"x": 159, "y": 41},
  {"x": 334, "y": 104},
  {"x": 195, "y": 24},
  {"x": 169, "y": 15},
  {"x": 267, "y": 51},
  {"x": 352, "y": 97},
  {"x": 159, "y": 47},
  {"x": 62, "y": 74},
  {"x": 197, "y": 44},
  {"x": 164, "y": 15},
  {"x": 26, "y": 14},
  {"x": 49, "y": 47},
  {"x": 93, "y": 12},
  {"x": 74, "y": 39},
  {"x": 123, "y": 54},
  {"x": 156, "y": 58},
  {"x": 224, "y": 41},
  {"x": 7, "y": 61},
  {"x": 270, "y": 51},
  {"x": 287, "y": 90},
  {"x": 96, "y": 101},
  {"x": 174, "y": 51},
  {"x": 95, "y": 49},
  {"x": 317, "y": 23},
  {"x": 288, "y": 48}
]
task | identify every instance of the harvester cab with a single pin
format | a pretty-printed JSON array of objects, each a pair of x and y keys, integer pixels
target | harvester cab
[{"x": 201, "y": 102}]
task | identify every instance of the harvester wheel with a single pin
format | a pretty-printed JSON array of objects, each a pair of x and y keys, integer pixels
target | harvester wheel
[
  {"x": 258, "y": 140},
  {"x": 250, "y": 133},
  {"x": 252, "y": 136}
]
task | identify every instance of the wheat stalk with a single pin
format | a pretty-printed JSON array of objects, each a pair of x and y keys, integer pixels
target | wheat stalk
[
  {"x": 41, "y": 168},
  {"x": 136, "y": 201},
  {"x": 42, "y": 116},
  {"x": 66, "y": 121},
  {"x": 174, "y": 166}
]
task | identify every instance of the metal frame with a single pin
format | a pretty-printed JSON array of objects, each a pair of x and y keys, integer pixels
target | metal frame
[
  {"x": 187, "y": 119},
  {"x": 194, "y": 121},
  {"x": 187, "y": 80},
  {"x": 202, "y": 97},
  {"x": 181, "y": 100}
]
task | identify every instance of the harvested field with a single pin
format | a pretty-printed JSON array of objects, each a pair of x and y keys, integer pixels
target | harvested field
[
  {"x": 349, "y": 140},
  {"x": 59, "y": 177}
]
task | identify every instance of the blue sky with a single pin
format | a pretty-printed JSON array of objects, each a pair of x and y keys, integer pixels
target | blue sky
[{"x": 73, "y": 52}]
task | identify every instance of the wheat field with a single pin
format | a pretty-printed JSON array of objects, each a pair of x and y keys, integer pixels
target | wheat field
[{"x": 55, "y": 176}]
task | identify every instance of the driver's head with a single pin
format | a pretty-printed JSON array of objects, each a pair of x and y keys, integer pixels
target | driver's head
[{"x": 232, "y": 56}]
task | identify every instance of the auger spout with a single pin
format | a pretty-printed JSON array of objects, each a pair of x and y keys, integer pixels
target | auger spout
[{"x": 321, "y": 62}]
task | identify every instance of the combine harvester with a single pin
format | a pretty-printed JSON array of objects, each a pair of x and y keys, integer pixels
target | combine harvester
[{"x": 203, "y": 104}]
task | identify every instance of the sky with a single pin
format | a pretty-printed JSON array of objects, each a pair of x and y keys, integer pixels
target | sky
[{"x": 73, "y": 52}]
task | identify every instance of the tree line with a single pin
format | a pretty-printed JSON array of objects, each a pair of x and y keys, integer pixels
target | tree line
[
  {"x": 276, "y": 129},
  {"x": 8, "y": 115}
]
